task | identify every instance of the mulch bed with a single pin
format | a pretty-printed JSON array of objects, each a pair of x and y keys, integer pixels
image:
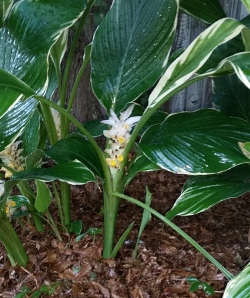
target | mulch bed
[{"x": 164, "y": 261}]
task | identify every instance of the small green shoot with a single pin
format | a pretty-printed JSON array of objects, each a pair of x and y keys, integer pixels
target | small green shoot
[
  {"x": 76, "y": 226},
  {"x": 196, "y": 284},
  {"x": 145, "y": 219},
  {"x": 92, "y": 231},
  {"x": 46, "y": 289},
  {"x": 121, "y": 240}
]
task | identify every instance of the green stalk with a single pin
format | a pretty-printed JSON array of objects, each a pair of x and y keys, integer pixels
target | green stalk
[
  {"x": 28, "y": 193},
  {"x": 110, "y": 202},
  {"x": 228, "y": 275},
  {"x": 12, "y": 242},
  {"x": 58, "y": 202},
  {"x": 65, "y": 196},
  {"x": 111, "y": 205},
  {"x": 49, "y": 124},
  {"x": 53, "y": 225}
]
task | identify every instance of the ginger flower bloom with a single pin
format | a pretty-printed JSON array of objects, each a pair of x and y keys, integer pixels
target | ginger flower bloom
[
  {"x": 119, "y": 135},
  {"x": 11, "y": 157},
  {"x": 10, "y": 208}
]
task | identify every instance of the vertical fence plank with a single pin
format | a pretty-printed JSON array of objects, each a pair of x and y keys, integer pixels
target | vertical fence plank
[{"x": 198, "y": 95}]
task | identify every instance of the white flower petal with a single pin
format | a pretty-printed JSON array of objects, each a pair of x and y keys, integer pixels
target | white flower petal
[
  {"x": 114, "y": 116},
  {"x": 127, "y": 113},
  {"x": 132, "y": 120}
]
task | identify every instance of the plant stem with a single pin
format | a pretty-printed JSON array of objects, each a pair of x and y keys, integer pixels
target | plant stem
[
  {"x": 111, "y": 204},
  {"x": 65, "y": 195},
  {"x": 53, "y": 225},
  {"x": 49, "y": 123},
  {"x": 58, "y": 202},
  {"x": 12, "y": 242},
  {"x": 228, "y": 275},
  {"x": 28, "y": 193}
]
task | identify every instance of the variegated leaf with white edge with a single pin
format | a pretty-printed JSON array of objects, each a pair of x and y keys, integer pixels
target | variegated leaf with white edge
[{"x": 193, "y": 58}]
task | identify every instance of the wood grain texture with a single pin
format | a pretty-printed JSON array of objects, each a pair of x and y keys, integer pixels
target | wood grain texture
[{"x": 198, "y": 95}]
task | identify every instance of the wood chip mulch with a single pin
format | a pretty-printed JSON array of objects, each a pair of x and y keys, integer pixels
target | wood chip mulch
[{"x": 165, "y": 260}]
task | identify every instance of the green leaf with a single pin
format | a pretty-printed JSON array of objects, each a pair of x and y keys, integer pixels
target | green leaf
[
  {"x": 209, "y": 290},
  {"x": 12, "y": 89},
  {"x": 239, "y": 286},
  {"x": 25, "y": 43},
  {"x": 14, "y": 121},
  {"x": 31, "y": 134},
  {"x": 71, "y": 172},
  {"x": 141, "y": 164},
  {"x": 5, "y": 6},
  {"x": 76, "y": 226},
  {"x": 247, "y": 4},
  {"x": 194, "y": 286},
  {"x": 95, "y": 127},
  {"x": 58, "y": 50},
  {"x": 245, "y": 148},
  {"x": 209, "y": 11},
  {"x": 20, "y": 200},
  {"x": 193, "y": 58},
  {"x": 146, "y": 217},
  {"x": 43, "y": 197},
  {"x": 236, "y": 63},
  {"x": 202, "y": 192},
  {"x": 202, "y": 142},
  {"x": 73, "y": 148},
  {"x": 34, "y": 159},
  {"x": 231, "y": 97},
  {"x": 91, "y": 231},
  {"x": 121, "y": 240},
  {"x": 130, "y": 49}
]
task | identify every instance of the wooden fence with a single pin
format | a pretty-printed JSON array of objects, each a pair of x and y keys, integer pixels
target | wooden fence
[{"x": 198, "y": 95}]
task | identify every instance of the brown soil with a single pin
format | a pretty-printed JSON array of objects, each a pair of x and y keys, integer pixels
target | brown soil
[{"x": 164, "y": 262}]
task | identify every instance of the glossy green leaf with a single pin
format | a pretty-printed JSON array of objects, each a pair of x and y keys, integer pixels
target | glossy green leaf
[
  {"x": 14, "y": 121},
  {"x": 209, "y": 290},
  {"x": 193, "y": 58},
  {"x": 239, "y": 286},
  {"x": 202, "y": 192},
  {"x": 231, "y": 97},
  {"x": 76, "y": 226},
  {"x": 5, "y": 6},
  {"x": 76, "y": 148},
  {"x": 31, "y": 135},
  {"x": 237, "y": 63},
  {"x": 25, "y": 42},
  {"x": 245, "y": 148},
  {"x": 58, "y": 50},
  {"x": 130, "y": 49},
  {"x": 140, "y": 164},
  {"x": 247, "y": 4},
  {"x": 201, "y": 142},
  {"x": 20, "y": 200},
  {"x": 71, "y": 172},
  {"x": 95, "y": 127},
  {"x": 43, "y": 197},
  {"x": 231, "y": 47},
  {"x": 11, "y": 89},
  {"x": 208, "y": 11},
  {"x": 34, "y": 159}
]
